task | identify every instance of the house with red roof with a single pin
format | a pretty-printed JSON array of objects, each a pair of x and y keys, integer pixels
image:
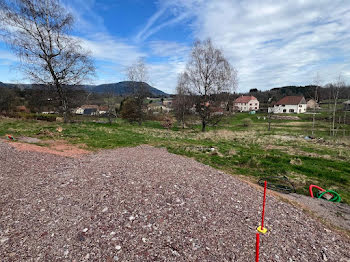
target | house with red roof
[
  {"x": 289, "y": 105},
  {"x": 246, "y": 104}
]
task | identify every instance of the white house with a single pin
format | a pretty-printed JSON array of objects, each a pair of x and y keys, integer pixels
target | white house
[
  {"x": 347, "y": 105},
  {"x": 246, "y": 104},
  {"x": 289, "y": 105},
  {"x": 79, "y": 111},
  {"x": 87, "y": 110}
]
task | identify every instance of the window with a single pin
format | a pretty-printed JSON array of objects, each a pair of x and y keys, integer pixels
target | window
[
  {"x": 283, "y": 105},
  {"x": 300, "y": 105},
  {"x": 284, "y": 110},
  {"x": 291, "y": 110},
  {"x": 256, "y": 104},
  {"x": 256, "y": 107}
]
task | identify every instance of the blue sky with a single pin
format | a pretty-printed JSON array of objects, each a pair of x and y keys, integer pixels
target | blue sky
[{"x": 271, "y": 43}]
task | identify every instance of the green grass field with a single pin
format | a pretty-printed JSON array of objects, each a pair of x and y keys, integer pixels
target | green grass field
[{"x": 250, "y": 151}]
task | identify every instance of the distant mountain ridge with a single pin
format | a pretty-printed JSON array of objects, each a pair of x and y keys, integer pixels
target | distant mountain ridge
[{"x": 122, "y": 88}]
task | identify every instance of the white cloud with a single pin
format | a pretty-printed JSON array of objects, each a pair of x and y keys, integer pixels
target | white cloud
[
  {"x": 7, "y": 57},
  {"x": 106, "y": 48},
  {"x": 145, "y": 32},
  {"x": 169, "y": 49},
  {"x": 271, "y": 43},
  {"x": 275, "y": 43},
  {"x": 164, "y": 75}
]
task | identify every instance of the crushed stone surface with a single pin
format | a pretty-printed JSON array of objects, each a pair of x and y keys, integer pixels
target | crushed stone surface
[
  {"x": 337, "y": 214},
  {"x": 145, "y": 204}
]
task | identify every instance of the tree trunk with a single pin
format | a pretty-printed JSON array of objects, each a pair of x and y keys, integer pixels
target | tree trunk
[
  {"x": 344, "y": 133},
  {"x": 204, "y": 124},
  {"x": 334, "y": 111},
  {"x": 65, "y": 110},
  {"x": 183, "y": 119},
  {"x": 109, "y": 118}
]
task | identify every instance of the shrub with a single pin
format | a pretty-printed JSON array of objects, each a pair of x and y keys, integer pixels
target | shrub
[
  {"x": 129, "y": 111},
  {"x": 49, "y": 118},
  {"x": 168, "y": 122},
  {"x": 247, "y": 122}
]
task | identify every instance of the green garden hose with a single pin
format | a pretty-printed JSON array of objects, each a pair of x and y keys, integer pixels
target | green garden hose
[{"x": 335, "y": 198}]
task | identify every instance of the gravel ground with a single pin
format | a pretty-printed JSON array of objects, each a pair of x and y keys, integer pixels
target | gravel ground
[
  {"x": 336, "y": 214},
  {"x": 145, "y": 204}
]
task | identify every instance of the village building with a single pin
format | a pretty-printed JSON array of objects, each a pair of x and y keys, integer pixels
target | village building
[
  {"x": 347, "y": 105},
  {"x": 158, "y": 107},
  {"x": 312, "y": 104},
  {"x": 102, "y": 110},
  {"x": 289, "y": 105},
  {"x": 22, "y": 109},
  {"x": 89, "y": 110},
  {"x": 168, "y": 102},
  {"x": 246, "y": 104}
]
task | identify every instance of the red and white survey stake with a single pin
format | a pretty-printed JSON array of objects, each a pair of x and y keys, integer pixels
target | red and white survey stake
[{"x": 261, "y": 228}]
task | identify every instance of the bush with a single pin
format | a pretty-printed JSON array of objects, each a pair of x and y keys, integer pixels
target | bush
[
  {"x": 129, "y": 111},
  {"x": 168, "y": 122},
  {"x": 247, "y": 122},
  {"x": 49, "y": 118}
]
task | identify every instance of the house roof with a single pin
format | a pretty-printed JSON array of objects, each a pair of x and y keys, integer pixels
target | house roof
[
  {"x": 103, "y": 108},
  {"x": 89, "y": 106},
  {"x": 291, "y": 100},
  {"x": 245, "y": 99},
  {"x": 311, "y": 100},
  {"x": 23, "y": 108}
]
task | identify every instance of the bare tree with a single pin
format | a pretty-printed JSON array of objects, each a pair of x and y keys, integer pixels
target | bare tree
[
  {"x": 318, "y": 84},
  {"x": 335, "y": 91},
  {"x": 183, "y": 101},
  {"x": 38, "y": 32},
  {"x": 138, "y": 75},
  {"x": 111, "y": 102},
  {"x": 207, "y": 74}
]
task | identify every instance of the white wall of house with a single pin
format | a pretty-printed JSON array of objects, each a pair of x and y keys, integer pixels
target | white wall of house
[
  {"x": 288, "y": 109},
  {"x": 252, "y": 105},
  {"x": 79, "y": 111}
]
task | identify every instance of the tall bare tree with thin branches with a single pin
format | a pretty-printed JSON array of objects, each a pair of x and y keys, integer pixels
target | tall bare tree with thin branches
[
  {"x": 137, "y": 73},
  {"x": 183, "y": 101},
  {"x": 335, "y": 91},
  {"x": 318, "y": 84},
  {"x": 38, "y": 32},
  {"x": 208, "y": 74}
]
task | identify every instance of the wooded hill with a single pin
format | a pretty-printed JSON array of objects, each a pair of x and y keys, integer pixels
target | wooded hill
[{"x": 123, "y": 88}]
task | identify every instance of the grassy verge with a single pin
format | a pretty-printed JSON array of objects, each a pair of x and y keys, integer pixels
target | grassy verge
[{"x": 251, "y": 151}]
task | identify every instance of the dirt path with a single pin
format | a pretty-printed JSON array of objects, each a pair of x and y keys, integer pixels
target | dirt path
[
  {"x": 145, "y": 204},
  {"x": 54, "y": 147}
]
